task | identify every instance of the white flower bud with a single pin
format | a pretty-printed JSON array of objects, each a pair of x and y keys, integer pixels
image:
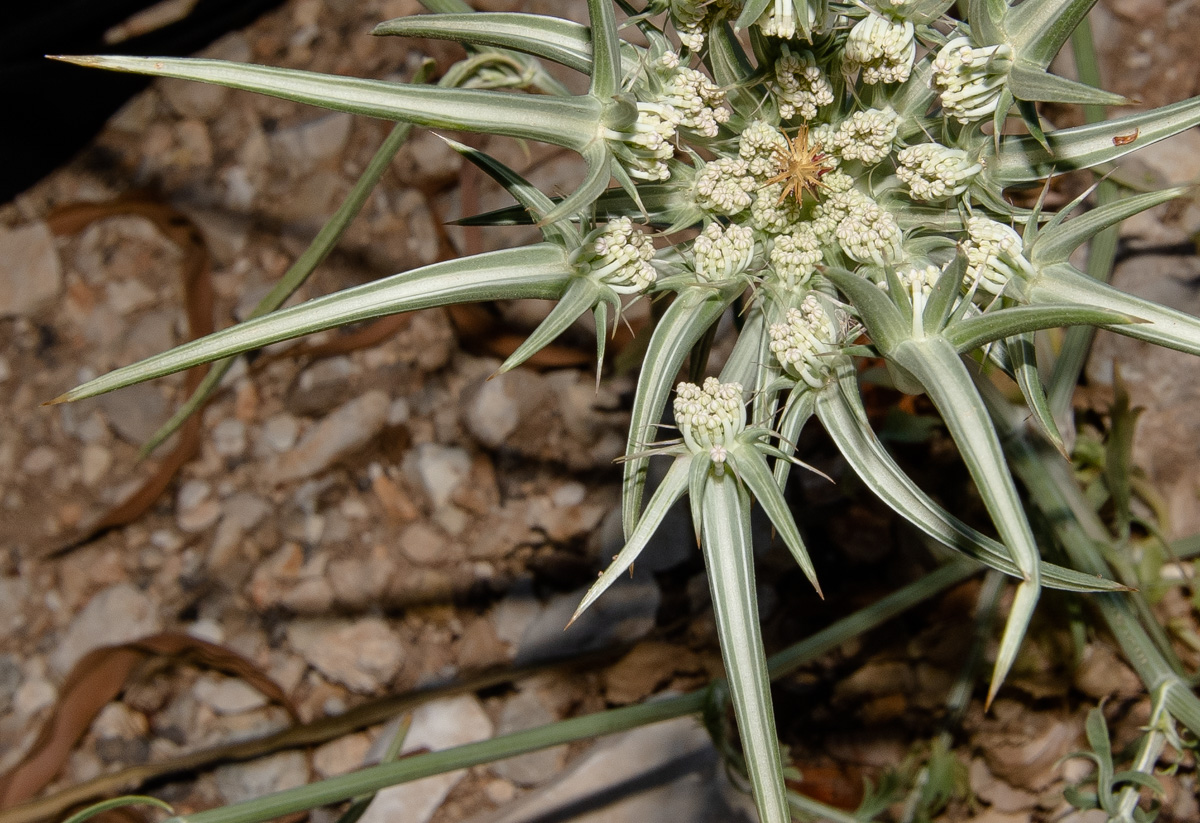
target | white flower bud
[
  {"x": 795, "y": 255},
  {"x": 698, "y": 101},
  {"x": 933, "y": 171},
  {"x": 800, "y": 86},
  {"x": 866, "y": 135},
  {"x": 994, "y": 255},
  {"x": 919, "y": 283},
  {"x": 710, "y": 417},
  {"x": 773, "y": 214},
  {"x": 723, "y": 252},
  {"x": 803, "y": 342},
  {"x": 724, "y": 186},
  {"x": 971, "y": 79},
  {"x": 618, "y": 255},
  {"x": 760, "y": 146},
  {"x": 649, "y": 143},
  {"x": 868, "y": 233},
  {"x": 884, "y": 49}
]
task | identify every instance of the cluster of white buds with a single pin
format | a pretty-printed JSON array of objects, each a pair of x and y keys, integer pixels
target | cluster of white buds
[
  {"x": 619, "y": 256},
  {"x": 699, "y": 102},
  {"x": 772, "y": 213},
  {"x": 919, "y": 282},
  {"x": 795, "y": 255},
  {"x": 721, "y": 252},
  {"x": 868, "y": 233},
  {"x": 994, "y": 255},
  {"x": 971, "y": 79},
  {"x": 760, "y": 146},
  {"x": 647, "y": 146},
  {"x": 710, "y": 417},
  {"x": 800, "y": 86},
  {"x": 884, "y": 49},
  {"x": 865, "y": 135},
  {"x": 840, "y": 196},
  {"x": 691, "y": 18},
  {"x": 724, "y": 186},
  {"x": 933, "y": 171},
  {"x": 803, "y": 342}
]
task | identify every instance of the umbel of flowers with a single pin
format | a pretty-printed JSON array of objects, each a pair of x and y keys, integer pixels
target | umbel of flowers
[{"x": 845, "y": 183}]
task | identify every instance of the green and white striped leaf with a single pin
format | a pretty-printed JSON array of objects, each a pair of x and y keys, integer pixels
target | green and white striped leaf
[
  {"x": 1022, "y": 160},
  {"x": 606, "y": 49},
  {"x": 570, "y": 122},
  {"x": 1056, "y": 242},
  {"x": 729, "y": 559},
  {"x": 1022, "y": 357},
  {"x": 883, "y": 320},
  {"x": 561, "y": 41},
  {"x": 797, "y": 411},
  {"x": 1037, "y": 31},
  {"x": 841, "y": 413},
  {"x": 1031, "y": 82},
  {"x": 730, "y": 70},
  {"x": 540, "y": 271},
  {"x": 673, "y": 487},
  {"x": 581, "y": 296},
  {"x": 681, "y": 327},
  {"x": 1062, "y": 283},
  {"x": 970, "y": 333},
  {"x": 751, "y": 467}
]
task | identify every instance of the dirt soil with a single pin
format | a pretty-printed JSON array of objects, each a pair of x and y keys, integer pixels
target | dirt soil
[{"x": 366, "y": 514}]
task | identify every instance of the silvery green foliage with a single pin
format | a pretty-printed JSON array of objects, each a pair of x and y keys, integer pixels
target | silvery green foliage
[{"x": 848, "y": 203}]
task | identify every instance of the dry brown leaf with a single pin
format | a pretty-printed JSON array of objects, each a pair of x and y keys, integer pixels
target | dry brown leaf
[
  {"x": 99, "y": 677},
  {"x": 198, "y": 296}
]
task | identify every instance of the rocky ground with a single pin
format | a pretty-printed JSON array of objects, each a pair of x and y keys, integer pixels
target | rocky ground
[{"x": 381, "y": 518}]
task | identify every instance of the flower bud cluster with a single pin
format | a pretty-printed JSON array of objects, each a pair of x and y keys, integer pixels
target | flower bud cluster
[
  {"x": 795, "y": 255},
  {"x": 971, "y": 79},
  {"x": 721, "y": 252},
  {"x": 699, "y": 102},
  {"x": 840, "y": 196},
  {"x": 647, "y": 146},
  {"x": 803, "y": 342},
  {"x": 883, "y": 49},
  {"x": 724, "y": 186},
  {"x": 866, "y": 135},
  {"x": 619, "y": 256},
  {"x": 868, "y": 233},
  {"x": 933, "y": 171},
  {"x": 994, "y": 255},
  {"x": 691, "y": 19},
  {"x": 760, "y": 146},
  {"x": 710, "y": 417},
  {"x": 772, "y": 213},
  {"x": 800, "y": 86},
  {"x": 919, "y": 282}
]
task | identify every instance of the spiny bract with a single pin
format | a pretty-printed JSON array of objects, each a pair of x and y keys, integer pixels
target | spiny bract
[{"x": 845, "y": 165}]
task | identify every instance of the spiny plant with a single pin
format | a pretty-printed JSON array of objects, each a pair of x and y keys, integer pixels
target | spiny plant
[{"x": 837, "y": 172}]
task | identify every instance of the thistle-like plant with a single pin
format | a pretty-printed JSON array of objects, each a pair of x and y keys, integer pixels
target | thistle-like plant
[{"x": 845, "y": 167}]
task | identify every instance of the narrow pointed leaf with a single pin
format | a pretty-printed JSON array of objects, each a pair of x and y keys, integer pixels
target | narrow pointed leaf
[
  {"x": 941, "y": 301},
  {"x": 751, "y": 12},
  {"x": 913, "y": 98},
  {"x": 730, "y": 69},
  {"x": 606, "y": 49},
  {"x": 844, "y": 419},
  {"x": 1022, "y": 160},
  {"x": 579, "y": 298},
  {"x": 729, "y": 559},
  {"x": 879, "y": 314},
  {"x": 664, "y": 207},
  {"x": 665, "y": 496},
  {"x": 1030, "y": 82},
  {"x": 752, "y": 468},
  {"x": 599, "y": 165},
  {"x": 1037, "y": 31},
  {"x": 540, "y": 271},
  {"x": 681, "y": 327},
  {"x": 796, "y": 412},
  {"x": 937, "y": 365},
  {"x": 1024, "y": 602},
  {"x": 971, "y": 333},
  {"x": 1023, "y": 359},
  {"x": 1162, "y": 326},
  {"x": 570, "y": 122},
  {"x": 561, "y": 41},
  {"x": 1055, "y": 243}
]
